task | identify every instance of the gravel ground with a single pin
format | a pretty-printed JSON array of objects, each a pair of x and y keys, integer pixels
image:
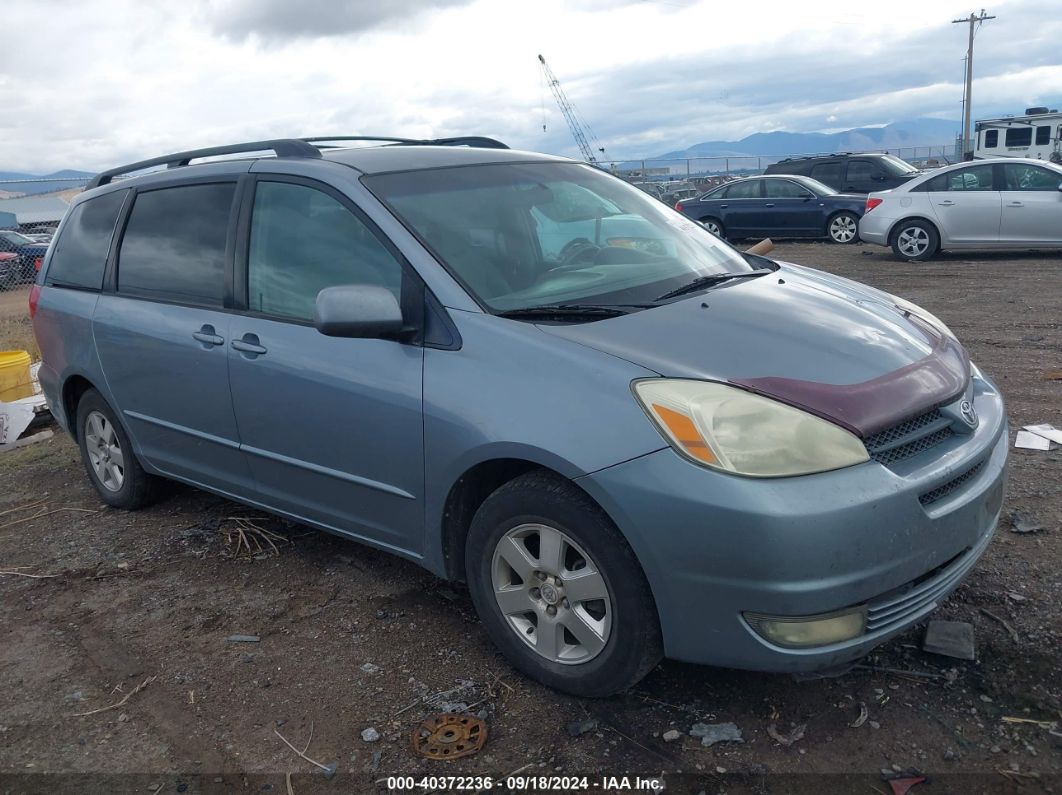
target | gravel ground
[{"x": 350, "y": 638}]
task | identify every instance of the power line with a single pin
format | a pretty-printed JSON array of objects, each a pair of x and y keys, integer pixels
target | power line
[{"x": 974, "y": 21}]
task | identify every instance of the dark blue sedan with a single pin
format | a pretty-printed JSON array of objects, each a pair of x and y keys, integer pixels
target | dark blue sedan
[{"x": 777, "y": 206}]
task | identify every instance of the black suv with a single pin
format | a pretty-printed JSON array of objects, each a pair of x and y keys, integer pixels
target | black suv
[{"x": 849, "y": 173}]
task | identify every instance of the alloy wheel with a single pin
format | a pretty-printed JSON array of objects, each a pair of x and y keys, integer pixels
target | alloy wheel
[
  {"x": 104, "y": 451},
  {"x": 843, "y": 229},
  {"x": 913, "y": 241},
  {"x": 551, "y": 594},
  {"x": 713, "y": 227}
]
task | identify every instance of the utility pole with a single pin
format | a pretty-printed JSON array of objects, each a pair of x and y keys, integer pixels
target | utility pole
[{"x": 974, "y": 21}]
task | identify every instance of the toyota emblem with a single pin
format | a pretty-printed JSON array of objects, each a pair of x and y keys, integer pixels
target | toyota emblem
[{"x": 969, "y": 416}]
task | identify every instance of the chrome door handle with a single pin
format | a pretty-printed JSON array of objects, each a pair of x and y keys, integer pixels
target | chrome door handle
[
  {"x": 769, "y": 204},
  {"x": 723, "y": 206},
  {"x": 946, "y": 203},
  {"x": 208, "y": 336},
  {"x": 1015, "y": 204},
  {"x": 249, "y": 345}
]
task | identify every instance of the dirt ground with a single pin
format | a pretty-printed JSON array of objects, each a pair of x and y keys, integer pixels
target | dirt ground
[{"x": 351, "y": 638}]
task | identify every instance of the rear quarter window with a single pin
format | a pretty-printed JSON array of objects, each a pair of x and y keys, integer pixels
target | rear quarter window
[
  {"x": 173, "y": 248},
  {"x": 80, "y": 255}
]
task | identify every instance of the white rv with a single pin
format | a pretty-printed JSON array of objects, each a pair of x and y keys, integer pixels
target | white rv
[{"x": 1037, "y": 134}]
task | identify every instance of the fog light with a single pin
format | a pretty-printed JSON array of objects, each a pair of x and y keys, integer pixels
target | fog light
[{"x": 803, "y": 632}]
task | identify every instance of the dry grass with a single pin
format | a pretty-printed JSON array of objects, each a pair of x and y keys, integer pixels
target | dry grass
[{"x": 16, "y": 333}]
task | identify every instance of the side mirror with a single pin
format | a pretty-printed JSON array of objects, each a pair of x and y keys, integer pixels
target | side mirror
[{"x": 357, "y": 310}]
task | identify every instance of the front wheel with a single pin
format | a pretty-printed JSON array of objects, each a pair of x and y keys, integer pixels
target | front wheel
[
  {"x": 915, "y": 241},
  {"x": 559, "y": 590},
  {"x": 844, "y": 228}
]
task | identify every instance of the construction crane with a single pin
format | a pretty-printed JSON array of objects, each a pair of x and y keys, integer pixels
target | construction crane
[{"x": 570, "y": 116}]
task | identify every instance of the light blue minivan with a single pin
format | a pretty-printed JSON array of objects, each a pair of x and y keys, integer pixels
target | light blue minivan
[{"x": 630, "y": 439}]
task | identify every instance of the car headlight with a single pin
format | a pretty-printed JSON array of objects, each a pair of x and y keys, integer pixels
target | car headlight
[{"x": 727, "y": 428}]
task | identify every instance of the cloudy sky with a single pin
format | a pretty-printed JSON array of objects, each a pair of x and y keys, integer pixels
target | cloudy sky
[{"x": 90, "y": 83}]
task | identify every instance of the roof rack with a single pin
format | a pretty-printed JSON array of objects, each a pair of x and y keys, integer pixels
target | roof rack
[
  {"x": 823, "y": 154},
  {"x": 466, "y": 140},
  {"x": 282, "y": 147}
]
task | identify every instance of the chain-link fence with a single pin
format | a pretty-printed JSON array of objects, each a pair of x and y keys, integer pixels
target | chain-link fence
[
  {"x": 30, "y": 210},
  {"x": 708, "y": 171}
]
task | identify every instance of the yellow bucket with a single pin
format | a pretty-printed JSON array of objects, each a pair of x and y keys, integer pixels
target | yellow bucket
[{"x": 15, "y": 381}]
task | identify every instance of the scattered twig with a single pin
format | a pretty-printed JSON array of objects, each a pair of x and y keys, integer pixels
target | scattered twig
[
  {"x": 1006, "y": 626},
  {"x": 121, "y": 703},
  {"x": 882, "y": 670},
  {"x": 33, "y": 576},
  {"x": 1008, "y": 773},
  {"x": 44, "y": 513},
  {"x": 23, "y": 507},
  {"x": 247, "y": 531},
  {"x": 325, "y": 768},
  {"x": 309, "y": 739},
  {"x": 287, "y": 781},
  {"x": 1043, "y": 724}
]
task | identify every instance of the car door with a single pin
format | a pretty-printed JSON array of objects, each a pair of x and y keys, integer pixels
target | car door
[
  {"x": 742, "y": 208},
  {"x": 161, "y": 331},
  {"x": 791, "y": 209},
  {"x": 967, "y": 205},
  {"x": 332, "y": 427},
  {"x": 1032, "y": 204}
]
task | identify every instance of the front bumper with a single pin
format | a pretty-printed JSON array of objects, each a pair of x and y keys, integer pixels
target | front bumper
[{"x": 714, "y": 546}]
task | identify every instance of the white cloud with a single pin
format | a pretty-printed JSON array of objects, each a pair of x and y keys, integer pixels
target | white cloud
[{"x": 108, "y": 81}]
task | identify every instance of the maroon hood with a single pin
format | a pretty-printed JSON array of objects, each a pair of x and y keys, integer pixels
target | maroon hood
[{"x": 830, "y": 346}]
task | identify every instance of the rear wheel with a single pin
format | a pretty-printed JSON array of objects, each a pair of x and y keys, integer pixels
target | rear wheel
[
  {"x": 843, "y": 228},
  {"x": 715, "y": 227},
  {"x": 108, "y": 456},
  {"x": 915, "y": 240},
  {"x": 558, "y": 588}
]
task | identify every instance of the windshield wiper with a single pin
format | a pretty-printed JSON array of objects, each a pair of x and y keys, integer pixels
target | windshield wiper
[
  {"x": 711, "y": 280},
  {"x": 572, "y": 310}
]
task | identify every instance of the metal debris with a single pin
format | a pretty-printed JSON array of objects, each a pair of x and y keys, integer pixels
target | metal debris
[
  {"x": 449, "y": 736},
  {"x": 787, "y": 739},
  {"x": 712, "y": 733},
  {"x": 951, "y": 639},
  {"x": 243, "y": 639}
]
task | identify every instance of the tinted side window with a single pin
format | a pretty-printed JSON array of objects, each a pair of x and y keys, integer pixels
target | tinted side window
[
  {"x": 972, "y": 178},
  {"x": 174, "y": 244},
  {"x": 744, "y": 190},
  {"x": 861, "y": 174},
  {"x": 784, "y": 189},
  {"x": 81, "y": 250},
  {"x": 1043, "y": 135},
  {"x": 302, "y": 241},
  {"x": 828, "y": 173},
  {"x": 991, "y": 139},
  {"x": 1022, "y": 177},
  {"x": 1019, "y": 136}
]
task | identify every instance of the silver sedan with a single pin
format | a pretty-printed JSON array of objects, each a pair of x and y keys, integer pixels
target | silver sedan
[{"x": 997, "y": 203}]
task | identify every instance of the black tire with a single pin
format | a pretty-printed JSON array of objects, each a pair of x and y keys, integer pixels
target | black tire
[
  {"x": 137, "y": 488},
  {"x": 707, "y": 223},
  {"x": 915, "y": 240},
  {"x": 633, "y": 645},
  {"x": 843, "y": 228}
]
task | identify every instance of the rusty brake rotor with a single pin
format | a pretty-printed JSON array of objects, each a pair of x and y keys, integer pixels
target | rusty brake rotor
[{"x": 448, "y": 736}]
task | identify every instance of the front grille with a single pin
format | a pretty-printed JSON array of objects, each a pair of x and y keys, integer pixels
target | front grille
[
  {"x": 921, "y": 595},
  {"x": 941, "y": 492},
  {"x": 909, "y": 437}
]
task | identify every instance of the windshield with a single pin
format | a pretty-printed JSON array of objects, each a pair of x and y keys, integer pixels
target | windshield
[
  {"x": 522, "y": 235},
  {"x": 897, "y": 167}
]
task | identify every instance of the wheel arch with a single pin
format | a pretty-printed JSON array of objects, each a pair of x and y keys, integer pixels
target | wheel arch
[
  {"x": 894, "y": 229},
  {"x": 74, "y": 387}
]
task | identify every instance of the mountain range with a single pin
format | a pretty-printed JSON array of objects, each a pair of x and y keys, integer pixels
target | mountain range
[
  {"x": 31, "y": 188},
  {"x": 896, "y": 135}
]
